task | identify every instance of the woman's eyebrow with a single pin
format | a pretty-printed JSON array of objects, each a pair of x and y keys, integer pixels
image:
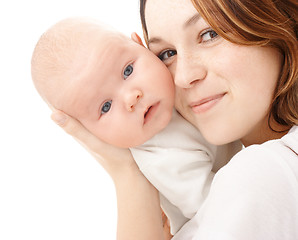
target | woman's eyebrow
[
  {"x": 192, "y": 20},
  {"x": 153, "y": 40}
]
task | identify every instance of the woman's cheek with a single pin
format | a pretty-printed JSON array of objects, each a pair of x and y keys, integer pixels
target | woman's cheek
[
  {"x": 179, "y": 99},
  {"x": 181, "y": 105}
]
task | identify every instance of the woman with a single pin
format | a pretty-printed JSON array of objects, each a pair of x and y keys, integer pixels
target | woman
[{"x": 235, "y": 68}]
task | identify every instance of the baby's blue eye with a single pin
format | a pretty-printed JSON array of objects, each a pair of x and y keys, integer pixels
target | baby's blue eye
[
  {"x": 128, "y": 71},
  {"x": 106, "y": 107}
]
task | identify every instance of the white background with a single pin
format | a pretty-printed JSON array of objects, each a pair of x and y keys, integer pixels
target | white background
[{"x": 50, "y": 187}]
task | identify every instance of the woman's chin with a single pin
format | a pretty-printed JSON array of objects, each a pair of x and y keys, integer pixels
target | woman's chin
[{"x": 218, "y": 137}]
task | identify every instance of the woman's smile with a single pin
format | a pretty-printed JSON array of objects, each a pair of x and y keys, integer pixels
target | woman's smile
[
  {"x": 205, "y": 104},
  {"x": 217, "y": 81}
]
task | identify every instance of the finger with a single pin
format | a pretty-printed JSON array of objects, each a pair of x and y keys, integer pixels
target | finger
[
  {"x": 163, "y": 217},
  {"x": 167, "y": 231}
]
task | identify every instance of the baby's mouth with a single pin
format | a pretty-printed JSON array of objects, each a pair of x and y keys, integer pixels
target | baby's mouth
[{"x": 148, "y": 110}]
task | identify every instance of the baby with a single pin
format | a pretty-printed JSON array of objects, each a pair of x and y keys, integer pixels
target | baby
[{"x": 124, "y": 95}]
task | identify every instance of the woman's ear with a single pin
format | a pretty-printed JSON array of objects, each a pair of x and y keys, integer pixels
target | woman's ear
[{"x": 136, "y": 38}]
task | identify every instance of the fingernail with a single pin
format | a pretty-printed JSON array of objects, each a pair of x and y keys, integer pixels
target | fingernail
[{"x": 58, "y": 118}]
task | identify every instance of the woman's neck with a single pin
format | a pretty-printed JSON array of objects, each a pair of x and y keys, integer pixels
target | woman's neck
[{"x": 264, "y": 133}]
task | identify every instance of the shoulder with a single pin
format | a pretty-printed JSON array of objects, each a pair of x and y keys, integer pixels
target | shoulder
[
  {"x": 250, "y": 171},
  {"x": 274, "y": 152},
  {"x": 265, "y": 167},
  {"x": 254, "y": 196},
  {"x": 291, "y": 139}
]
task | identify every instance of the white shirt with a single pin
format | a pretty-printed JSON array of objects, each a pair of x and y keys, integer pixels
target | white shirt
[
  {"x": 253, "y": 197},
  {"x": 178, "y": 162}
]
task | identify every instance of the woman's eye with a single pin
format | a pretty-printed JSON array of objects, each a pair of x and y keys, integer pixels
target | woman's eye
[
  {"x": 106, "y": 107},
  {"x": 128, "y": 71},
  {"x": 167, "y": 54},
  {"x": 208, "y": 35}
]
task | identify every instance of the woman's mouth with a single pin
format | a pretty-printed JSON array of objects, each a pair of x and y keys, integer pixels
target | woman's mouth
[{"x": 206, "y": 104}]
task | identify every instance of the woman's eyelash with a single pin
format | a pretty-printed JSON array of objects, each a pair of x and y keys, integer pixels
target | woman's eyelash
[
  {"x": 164, "y": 55},
  {"x": 208, "y": 35},
  {"x": 204, "y": 37}
]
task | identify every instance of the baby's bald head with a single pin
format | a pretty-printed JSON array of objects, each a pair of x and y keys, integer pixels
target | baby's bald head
[
  {"x": 79, "y": 67},
  {"x": 53, "y": 61}
]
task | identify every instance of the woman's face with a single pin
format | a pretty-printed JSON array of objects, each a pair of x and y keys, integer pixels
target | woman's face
[{"x": 224, "y": 89}]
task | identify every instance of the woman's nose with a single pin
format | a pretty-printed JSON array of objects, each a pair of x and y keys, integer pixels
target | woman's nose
[
  {"x": 132, "y": 98},
  {"x": 189, "y": 70}
]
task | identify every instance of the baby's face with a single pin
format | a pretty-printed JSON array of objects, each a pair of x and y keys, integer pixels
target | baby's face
[{"x": 121, "y": 92}]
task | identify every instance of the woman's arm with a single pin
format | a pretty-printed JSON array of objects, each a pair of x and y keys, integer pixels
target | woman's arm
[{"x": 139, "y": 214}]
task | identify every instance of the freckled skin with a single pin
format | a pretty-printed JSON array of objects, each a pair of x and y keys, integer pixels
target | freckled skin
[{"x": 206, "y": 65}]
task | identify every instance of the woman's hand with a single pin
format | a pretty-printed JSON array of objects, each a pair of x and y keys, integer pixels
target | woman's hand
[
  {"x": 139, "y": 214},
  {"x": 111, "y": 158}
]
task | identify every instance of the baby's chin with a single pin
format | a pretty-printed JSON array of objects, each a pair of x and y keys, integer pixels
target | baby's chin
[
  {"x": 132, "y": 141},
  {"x": 137, "y": 140},
  {"x": 127, "y": 143}
]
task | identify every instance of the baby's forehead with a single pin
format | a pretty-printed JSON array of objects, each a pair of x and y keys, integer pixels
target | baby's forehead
[
  {"x": 107, "y": 44},
  {"x": 109, "y": 36}
]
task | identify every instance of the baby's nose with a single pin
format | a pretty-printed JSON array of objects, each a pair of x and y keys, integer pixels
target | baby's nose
[{"x": 132, "y": 99}]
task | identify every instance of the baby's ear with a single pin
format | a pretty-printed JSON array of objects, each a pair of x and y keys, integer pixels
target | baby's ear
[{"x": 136, "y": 38}]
